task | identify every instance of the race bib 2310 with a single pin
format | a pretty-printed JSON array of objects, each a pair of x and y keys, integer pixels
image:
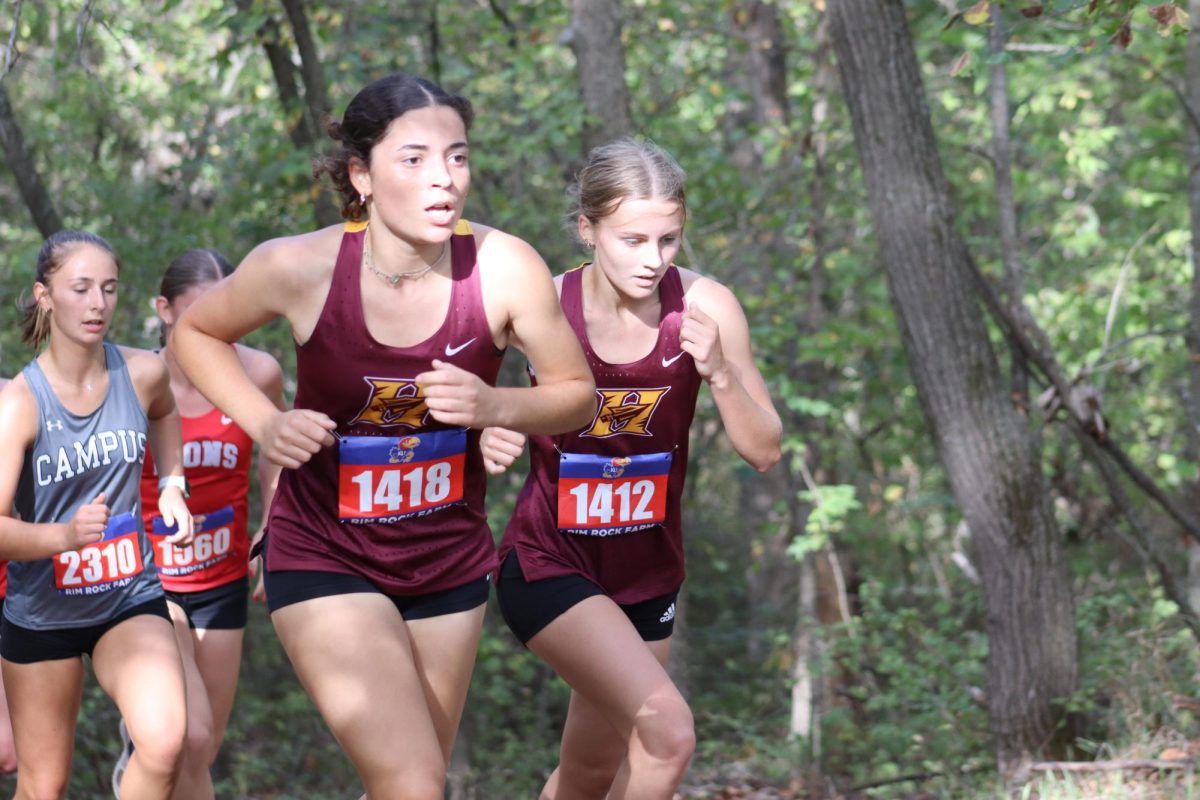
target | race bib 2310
[{"x": 102, "y": 566}]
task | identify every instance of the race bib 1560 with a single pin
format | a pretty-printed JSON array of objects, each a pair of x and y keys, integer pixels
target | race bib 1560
[
  {"x": 102, "y": 566},
  {"x": 603, "y": 495},
  {"x": 389, "y": 478},
  {"x": 211, "y": 544}
]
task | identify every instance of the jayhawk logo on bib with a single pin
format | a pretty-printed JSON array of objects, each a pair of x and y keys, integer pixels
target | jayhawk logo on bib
[
  {"x": 625, "y": 411},
  {"x": 616, "y": 468},
  {"x": 402, "y": 452},
  {"x": 393, "y": 402}
]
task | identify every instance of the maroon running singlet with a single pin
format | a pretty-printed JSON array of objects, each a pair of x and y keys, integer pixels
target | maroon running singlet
[
  {"x": 399, "y": 499},
  {"x": 604, "y": 502}
]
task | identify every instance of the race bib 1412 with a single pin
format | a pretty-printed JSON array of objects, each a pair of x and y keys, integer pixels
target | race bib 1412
[{"x": 603, "y": 495}]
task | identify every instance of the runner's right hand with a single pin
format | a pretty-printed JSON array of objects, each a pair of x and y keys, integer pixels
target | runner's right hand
[
  {"x": 87, "y": 526},
  {"x": 293, "y": 437}
]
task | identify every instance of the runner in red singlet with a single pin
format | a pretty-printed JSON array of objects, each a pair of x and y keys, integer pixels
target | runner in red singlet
[
  {"x": 206, "y": 583},
  {"x": 593, "y": 555},
  {"x": 378, "y": 552}
]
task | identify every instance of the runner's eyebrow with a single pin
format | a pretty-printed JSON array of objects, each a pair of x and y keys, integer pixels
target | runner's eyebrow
[{"x": 423, "y": 148}]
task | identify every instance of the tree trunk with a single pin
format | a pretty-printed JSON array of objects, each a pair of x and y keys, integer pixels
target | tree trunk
[
  {"x": 435, "y": 44},
  {"x": 986, "y": 448},
  {"x": 316, "y": 99},
  {"x": 811, "y": 687},
  {"x": 284, "y": 73},
  {"x": 20, "y": 161},
  {"x": 805, "y": 649},
  {"x": 1192, "y": 80},
  {"x": 768, "y": 60},
  {"x": 1010, "y": 240},
  {"x": 761, "y": 73},
  {"x": 595, "y": 38}
]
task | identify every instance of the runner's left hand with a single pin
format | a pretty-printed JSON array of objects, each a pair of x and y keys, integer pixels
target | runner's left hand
[
  {"x": 700, "y": 337},
  {"x": 174, "y": 510},
  {"x": 500, "y": 448}
]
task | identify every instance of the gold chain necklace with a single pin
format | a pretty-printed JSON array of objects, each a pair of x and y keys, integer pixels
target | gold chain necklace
[{"x": 393, "y": 278}]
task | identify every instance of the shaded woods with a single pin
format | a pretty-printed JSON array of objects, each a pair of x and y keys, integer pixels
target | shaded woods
[{"x": 963, "y": 234}]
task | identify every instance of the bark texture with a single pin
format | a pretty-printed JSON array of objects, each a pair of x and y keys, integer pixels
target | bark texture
[
  {"x": 595, "y": 38},
  {"x": 20, "y": 161},
  {"x": 768, "y": 59},
  {"x": 1006, "y": 204},
  {"x": 1192, "y": 80},
  {"x": 988, "y": 452}
]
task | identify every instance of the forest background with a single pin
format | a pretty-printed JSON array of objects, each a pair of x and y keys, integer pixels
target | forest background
[{"x": 963, "y": 233}]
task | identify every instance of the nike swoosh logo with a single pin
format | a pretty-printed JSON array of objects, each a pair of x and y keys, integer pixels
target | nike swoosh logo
[
  {"x": 450, "y": 351},
  {"x": 226, "y": 420},
  {"x": 669, "y": 361}
]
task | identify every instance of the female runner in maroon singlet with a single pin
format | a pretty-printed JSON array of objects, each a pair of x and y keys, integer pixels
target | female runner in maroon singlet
[
  {"x": 593, "y": 554},
  {"x": 378, "y": 551}
]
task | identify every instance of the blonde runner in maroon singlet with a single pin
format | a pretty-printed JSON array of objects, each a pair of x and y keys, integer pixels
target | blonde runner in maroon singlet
[{"x": 617, "y": 523}]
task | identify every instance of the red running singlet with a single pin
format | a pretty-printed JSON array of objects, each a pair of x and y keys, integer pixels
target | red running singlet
[
  {"x": 216, "y": 461},
  {"x": 399, "y": 499},
  {"x": 604, "y": 502}
]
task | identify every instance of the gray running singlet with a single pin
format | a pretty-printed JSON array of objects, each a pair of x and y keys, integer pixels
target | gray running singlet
[{"x": 73, "y": 459}]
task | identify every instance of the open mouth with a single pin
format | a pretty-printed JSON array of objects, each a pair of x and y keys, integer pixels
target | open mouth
[{"x": 441, "y": 213}]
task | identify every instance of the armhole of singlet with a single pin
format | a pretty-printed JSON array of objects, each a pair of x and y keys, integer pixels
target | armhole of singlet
[
  {"x": 571, "y": 300},
  {"x": 33, "y": 367},
  {"x": 121, "y": 365},
  {"x": 572, "y": 292},
  {"x": 679, "y": 300},
  {"x": 349, "y": 228},
  {"x": 464, "y": 255}
]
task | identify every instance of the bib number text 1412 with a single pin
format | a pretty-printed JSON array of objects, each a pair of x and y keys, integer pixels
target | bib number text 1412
[{"x": 605, "y": 495}]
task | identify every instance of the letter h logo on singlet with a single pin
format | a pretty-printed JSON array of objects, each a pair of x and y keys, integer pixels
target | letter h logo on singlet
[
  {"x": 625, "y": 411},
  {"x": 53, "y": 425}
]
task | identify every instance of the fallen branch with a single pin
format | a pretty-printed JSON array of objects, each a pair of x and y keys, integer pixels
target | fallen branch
[
  {"x": 916, "y": 777},
  {"x": 1113, "y": 765}
]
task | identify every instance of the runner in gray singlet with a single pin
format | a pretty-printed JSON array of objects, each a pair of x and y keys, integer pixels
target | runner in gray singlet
[
  {"x": 74, "y": 427},
  {"x": 74, "y": 459}
]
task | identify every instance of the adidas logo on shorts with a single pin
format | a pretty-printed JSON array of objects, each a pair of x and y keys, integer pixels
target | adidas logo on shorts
[{"x": 669, "y": 614}]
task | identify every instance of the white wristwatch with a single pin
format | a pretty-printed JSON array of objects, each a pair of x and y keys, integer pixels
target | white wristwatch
[{"x": 178, "y": 481}]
